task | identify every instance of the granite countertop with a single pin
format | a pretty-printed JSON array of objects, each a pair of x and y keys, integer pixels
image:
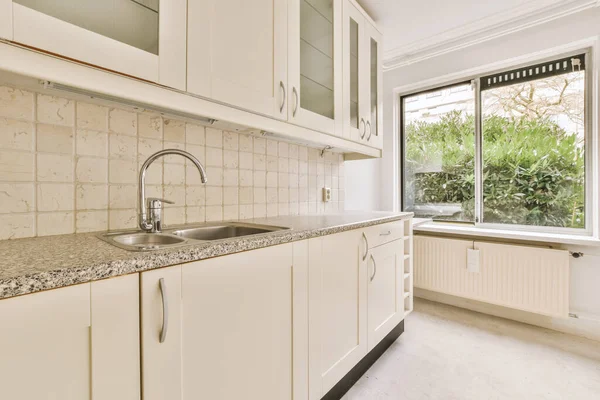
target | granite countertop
[{"x": 42, "y": 263}]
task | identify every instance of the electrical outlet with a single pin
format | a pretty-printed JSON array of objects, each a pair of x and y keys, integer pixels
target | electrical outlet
[{"x": 326, "y": 194}]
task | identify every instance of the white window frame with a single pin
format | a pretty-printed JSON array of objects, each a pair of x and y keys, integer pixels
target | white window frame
[{"x": 589, "y": 47}]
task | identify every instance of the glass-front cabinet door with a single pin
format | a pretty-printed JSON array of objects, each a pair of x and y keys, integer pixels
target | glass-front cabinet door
[
  {"x": 315, "y": 64},
  {"x": 354, "y": 123},
  {"x": 142, "y": 38},
  {"x": 374, "y": 79}
]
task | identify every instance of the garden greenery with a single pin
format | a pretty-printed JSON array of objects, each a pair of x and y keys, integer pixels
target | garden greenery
[{"x": 533, "y": 170}]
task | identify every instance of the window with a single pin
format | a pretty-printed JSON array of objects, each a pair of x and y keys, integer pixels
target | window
[{"x": 504, "y": 149}]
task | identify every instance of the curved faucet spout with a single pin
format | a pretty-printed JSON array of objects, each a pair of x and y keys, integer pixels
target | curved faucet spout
[{"x": 144, "y": 222}]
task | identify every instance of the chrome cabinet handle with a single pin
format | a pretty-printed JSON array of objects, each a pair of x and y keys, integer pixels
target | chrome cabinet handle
[
  {"x": 165, "y": 306},
  {"x": 295, "y": 101},
  {"x": 367, "y": 248},
  {"x": 386, "y": 233},
  {"x": 370, "y": 133},
  {"x": 374, "y": 268},
  {"x": 364, "y": 130},
  {"x": 283, "y": 97}
]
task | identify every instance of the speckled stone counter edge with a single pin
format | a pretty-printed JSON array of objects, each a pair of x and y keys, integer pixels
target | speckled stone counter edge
[{"x": 31, "y": 283}]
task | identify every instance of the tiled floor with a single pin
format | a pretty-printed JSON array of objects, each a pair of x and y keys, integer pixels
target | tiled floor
[{"x": 449, "y": 353}]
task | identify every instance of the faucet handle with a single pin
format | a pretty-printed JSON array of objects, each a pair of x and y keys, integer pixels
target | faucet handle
[{"x": 155, "y": 202}]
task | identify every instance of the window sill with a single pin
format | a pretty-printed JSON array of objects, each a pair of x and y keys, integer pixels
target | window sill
[{"x": 471, "y": 231}]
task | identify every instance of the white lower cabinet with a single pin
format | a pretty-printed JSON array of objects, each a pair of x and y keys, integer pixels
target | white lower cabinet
[
  {"x": 337, "y": 309},
  {"x": 356, "y": 295},
  {"x": 74, "y": 343},
  {"x": 286, "y": 322},
  {"x": 385, "y": 290},
  {"x": 228, "y": 323}
]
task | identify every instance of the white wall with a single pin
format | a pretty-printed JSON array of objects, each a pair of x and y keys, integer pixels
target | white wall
[
  {"x": 585, "y": 275},
  {"x": 363, "y": 185}
]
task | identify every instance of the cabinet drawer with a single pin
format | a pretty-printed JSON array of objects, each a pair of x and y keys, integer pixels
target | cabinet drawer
[{"x": 385, "y": 233}]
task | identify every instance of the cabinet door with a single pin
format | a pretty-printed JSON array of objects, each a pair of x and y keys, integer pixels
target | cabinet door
[
  {"x": 145, "y": 39},
  {"x": 337, "y": 309},
  {"x": 385, "y": 299},
  {"x": 237, "y": 53},
  {"x": 315, "y": 64},
  {"x": 115, "y": 305},
  {"x": 237, "y": 326},
  {"x": 161, "y": 333},
  {"x": 374, "y": 82},
  {"x": 45, "y": 345},
  {"x": 354, "y": 73},
  {"x": 6, "y": 30}
]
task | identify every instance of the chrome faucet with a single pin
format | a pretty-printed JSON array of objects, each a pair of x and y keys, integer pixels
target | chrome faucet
[{"x": 151, "y": 208}]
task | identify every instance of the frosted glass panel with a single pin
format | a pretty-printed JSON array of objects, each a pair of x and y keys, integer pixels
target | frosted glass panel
[
  {"x": 316, "y": 57},
  {"x": 353, "y": 73},
  {"x": 374, "y": 86},
  {"x": 132, "y": 22}
]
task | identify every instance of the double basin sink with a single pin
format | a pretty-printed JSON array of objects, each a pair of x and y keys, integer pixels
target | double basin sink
[{"x": 186, "y": 235}]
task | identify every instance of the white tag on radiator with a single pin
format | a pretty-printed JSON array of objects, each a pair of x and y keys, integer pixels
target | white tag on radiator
[{"x": 472, "y": 260}]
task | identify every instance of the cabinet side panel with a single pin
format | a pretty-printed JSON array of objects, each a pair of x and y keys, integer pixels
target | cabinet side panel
[
  {"x": 116, "y": 339},
  {"x": 45, "y": 345}
]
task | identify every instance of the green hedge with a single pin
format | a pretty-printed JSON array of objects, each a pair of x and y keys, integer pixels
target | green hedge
[{"x": 533, "y": 169}]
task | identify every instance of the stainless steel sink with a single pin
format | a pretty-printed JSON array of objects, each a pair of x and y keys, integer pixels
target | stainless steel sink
[
  {"x": 147, "y": 241},
  {"x": 222, "y": 231},
  {"x": 183, "y": 236}
]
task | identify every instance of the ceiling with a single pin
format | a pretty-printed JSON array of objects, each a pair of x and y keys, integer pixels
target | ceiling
[{"x": 414, "y": 30}]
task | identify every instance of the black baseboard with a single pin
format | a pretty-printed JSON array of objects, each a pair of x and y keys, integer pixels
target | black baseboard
[{"x": 340, "y": 389}]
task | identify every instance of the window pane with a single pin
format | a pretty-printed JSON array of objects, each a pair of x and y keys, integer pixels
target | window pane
[
  {"x": 533, "y": 152},
  {"x": 439, "y": 149}
]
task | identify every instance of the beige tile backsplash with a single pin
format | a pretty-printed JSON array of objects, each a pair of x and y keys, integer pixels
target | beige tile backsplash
[{"x": 68, "y": 166}]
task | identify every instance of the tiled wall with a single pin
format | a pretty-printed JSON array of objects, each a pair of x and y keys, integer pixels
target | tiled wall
[{"x": 69, "y": 166}]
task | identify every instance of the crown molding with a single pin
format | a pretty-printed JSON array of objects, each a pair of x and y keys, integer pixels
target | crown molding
[{"x": 519, "y": 18}]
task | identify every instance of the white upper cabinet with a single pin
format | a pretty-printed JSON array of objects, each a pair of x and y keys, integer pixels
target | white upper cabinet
[
  {"x": 374, "y": 83},
  {"x": 363, "y": 81},
  {"x": 315, "y": 64},
  {"x": 354, "y": 75},
  {"x": 237, "y": 53},
  {"x": 145, "y": 38}
]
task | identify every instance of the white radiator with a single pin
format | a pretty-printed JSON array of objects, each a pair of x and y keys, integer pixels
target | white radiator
[{"x": 534, "y": 279}]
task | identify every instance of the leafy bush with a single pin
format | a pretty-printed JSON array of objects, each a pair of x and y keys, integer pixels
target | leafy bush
[{"x": 533, "y": 169}]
